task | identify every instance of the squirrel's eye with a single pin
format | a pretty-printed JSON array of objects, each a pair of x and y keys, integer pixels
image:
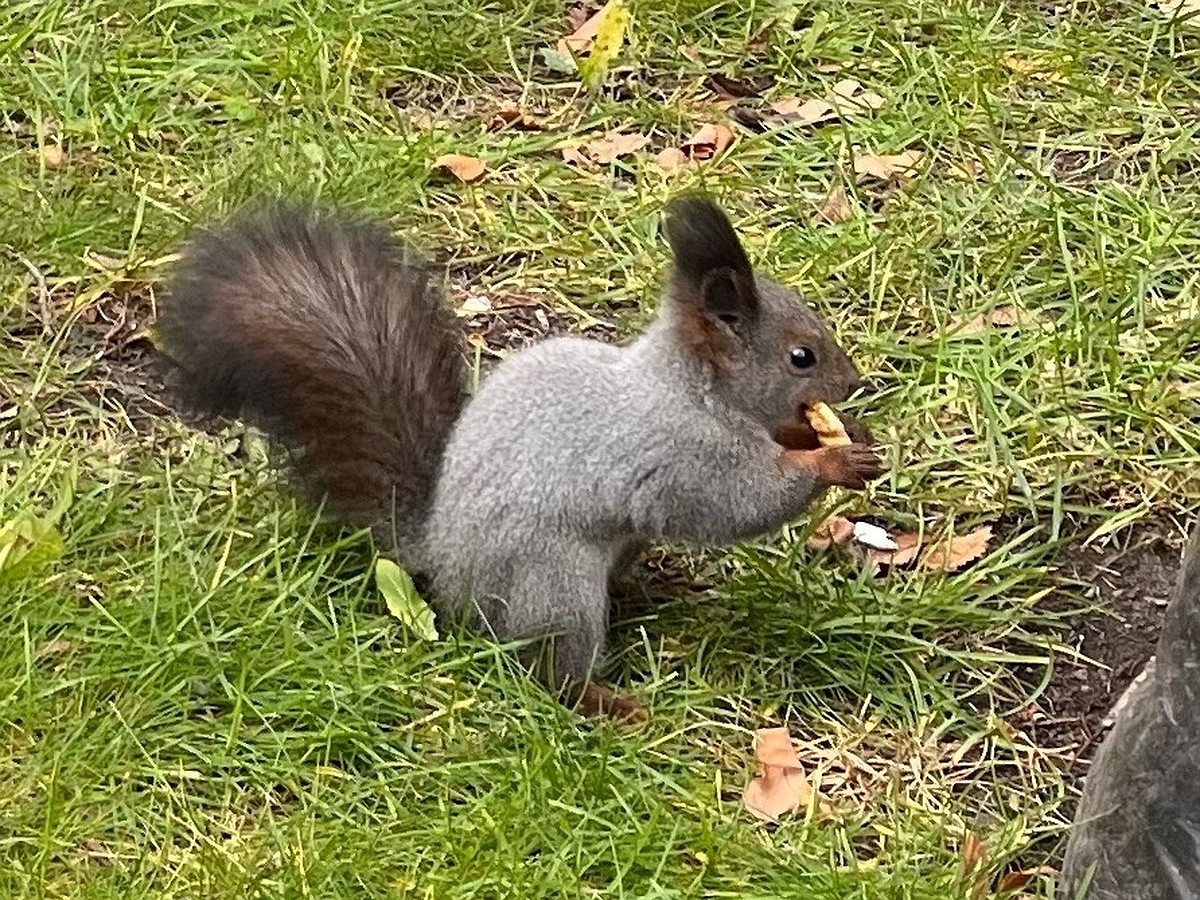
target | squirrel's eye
[{"x": 802, "y": 357}]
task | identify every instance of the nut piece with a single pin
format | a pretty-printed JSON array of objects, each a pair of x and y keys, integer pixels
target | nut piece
[{"x": 826, "y": 424}]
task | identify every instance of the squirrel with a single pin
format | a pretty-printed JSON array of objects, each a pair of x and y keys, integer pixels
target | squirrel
[
  {"x": 519, "y": 504},
  {"x": 1136, "y": 832}
]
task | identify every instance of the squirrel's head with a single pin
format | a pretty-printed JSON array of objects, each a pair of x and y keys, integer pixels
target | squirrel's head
[{"x": 770, "y": 353}]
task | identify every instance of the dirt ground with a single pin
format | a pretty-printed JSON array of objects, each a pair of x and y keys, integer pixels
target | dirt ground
[{"x": 1131, "y": 583}]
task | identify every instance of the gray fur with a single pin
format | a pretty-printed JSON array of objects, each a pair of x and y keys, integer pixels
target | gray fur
[{"x": 574, "y": 451}]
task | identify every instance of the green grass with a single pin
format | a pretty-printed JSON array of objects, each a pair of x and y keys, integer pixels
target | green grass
[{"x": 201, "y": 692}]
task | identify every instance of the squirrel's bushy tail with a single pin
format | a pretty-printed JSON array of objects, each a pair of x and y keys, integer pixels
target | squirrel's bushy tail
[{"x": 332, "y": 336}]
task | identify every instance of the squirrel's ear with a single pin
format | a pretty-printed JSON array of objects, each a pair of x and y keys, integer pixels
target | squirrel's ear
[{"x": 712, "y": 272}]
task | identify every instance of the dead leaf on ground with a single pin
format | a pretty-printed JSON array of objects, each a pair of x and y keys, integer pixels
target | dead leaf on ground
[
  {"x": 1030, "y": 68},
  {"x": 973, "y": 866},
  {"x": 1014, "y": 881},
  {"x": 803, "y": 112},
  {"x": 1000, "y": 317},
  {"x": 952, "y": 555},
  {"x": 846, "y": 96},
  {"x": 709, "y": 142},
  {"x": 464, "y": 168},
  {"x": 614, "y": 145},
  {"x": 834, "y": 531},
  {"x": 836, "y": 207},
  {"x": 887, "y": 166},
  {"x": 729, "y": 88},
  {"x": 513, "y": 117},
  {"x": 1177, "y": 8},
  {"x": 908, "y": 547},
  {"x": 780, "y": 786},
  {"x": 603, "y": 150},
  {"x": 850, "y": 93},
  {"x": 943, "y": 556},
  {"x": 53, "y": 156},
  {"x": 584, "y": 35},
  {"x": 57, "y": 647}
]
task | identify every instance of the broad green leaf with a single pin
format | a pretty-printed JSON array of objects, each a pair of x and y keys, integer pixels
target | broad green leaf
[
  {"x": 610, "y": 36},
  {"x": 557, "y": 61},
  {"x": 28, "y": 541},
  {"x": 403, "y": 601}
]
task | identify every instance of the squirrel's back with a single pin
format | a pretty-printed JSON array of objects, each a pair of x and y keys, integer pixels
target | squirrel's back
[{"x": 331, "y": 335}]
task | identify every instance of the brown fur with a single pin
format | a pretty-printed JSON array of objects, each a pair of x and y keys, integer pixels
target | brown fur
[{"x": 331, "y": 335}]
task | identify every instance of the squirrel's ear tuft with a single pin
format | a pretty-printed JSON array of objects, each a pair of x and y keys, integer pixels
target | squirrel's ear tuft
[
  {"x": 712, "y": 277},
  {"x": 712, "y": 272}
]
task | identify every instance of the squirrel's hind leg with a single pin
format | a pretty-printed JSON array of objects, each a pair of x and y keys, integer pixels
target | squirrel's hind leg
[{"x": 566, "y": 599}]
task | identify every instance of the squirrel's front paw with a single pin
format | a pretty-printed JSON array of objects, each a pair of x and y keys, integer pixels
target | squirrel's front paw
[{"x": 850, "y": 465}]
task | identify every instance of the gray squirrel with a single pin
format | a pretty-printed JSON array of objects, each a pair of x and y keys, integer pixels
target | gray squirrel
[
  {"x": 519, "y": 504},
  {"x": 1136, "y": 834}
]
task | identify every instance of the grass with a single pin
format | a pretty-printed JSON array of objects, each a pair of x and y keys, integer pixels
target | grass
[{"x": 201, "y": 692}]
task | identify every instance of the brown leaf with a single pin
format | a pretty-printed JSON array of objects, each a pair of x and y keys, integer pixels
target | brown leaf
[
  {"x": 972, "y": 870},
  {"x": 803, "y": 112},
  {"x": 836, "y": 207},
  {"x": 887, "y": 167},
  {"x": 1030, "y": 68},
  {"x": 464, "y": 168},
  {"x": 575, "y": 156},
  {"x": 909, "y": 548},
  {"x": 671, "y": 158},
  {"x": 834, "y": 531},
  {"x": 581, "y": 40},
  {"x": 53, "y": 156},
  {"x": 1000, "y": 317},
  {"x": 513, "y": 117},
  {"x": 949, "y": 556},
  {"x": 577, "y": 15},
  {"x": 711, "y": 140},
  {"x": 57, "y": 647},
  {"x": 615, "y": 144},
  {"x": 780, "y": 786},
  {"x": 1014, "y": 881},
  {"x": 730, "y": 88}
]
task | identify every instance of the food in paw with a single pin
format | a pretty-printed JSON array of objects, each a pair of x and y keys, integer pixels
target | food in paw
[{"x": 829, "y": 428}]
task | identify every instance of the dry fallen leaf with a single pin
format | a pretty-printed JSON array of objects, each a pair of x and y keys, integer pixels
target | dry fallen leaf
[
  {"x": 833, "y": 532},
  {"x": 1000, "y": 317},
  {"x": 614, "y": 145},
  {"x": 973, "y": 871},
  {"x": 780, "y": 786},
  {"x": 513, "y": 117},
  {"x": 803, "y": 112},
  {"x": 710, "y": 141},
  {"x": 464, "y": 168},
  {"x": 1177, "y": 8},
  {"x": 836, "y": 207},
  {"x": 729, "y": 88},
  {"x": 908, "y": 547},
  {"x": 1014, "y": 881},
  {"x": 53, "y": 156},
  {"x": 603, "y": 150},
  {"x": 584, "y": 35},
  {"x": 887, "y": 167},
  {"x": 953, "y": 555},
  {"x": 1029, "y": 68},
  {"x": 850, "y": 94}
]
